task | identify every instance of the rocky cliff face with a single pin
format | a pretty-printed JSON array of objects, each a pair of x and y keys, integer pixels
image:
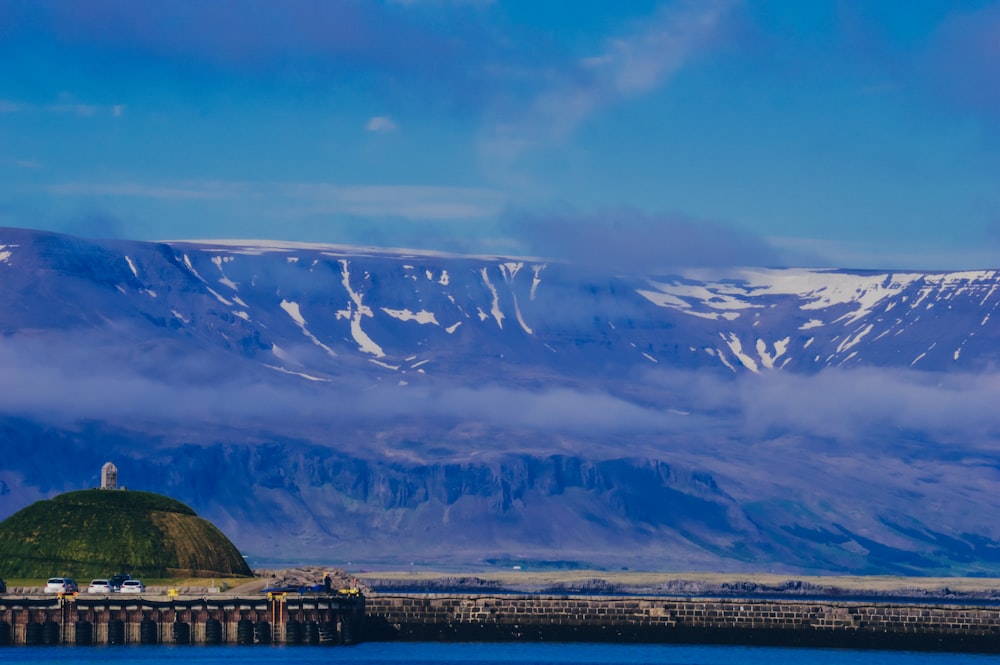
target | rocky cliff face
[{"x": 331, "y": 404}]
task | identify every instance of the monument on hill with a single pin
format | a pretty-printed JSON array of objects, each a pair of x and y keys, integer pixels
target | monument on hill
[{"x": 109, "y": 476}]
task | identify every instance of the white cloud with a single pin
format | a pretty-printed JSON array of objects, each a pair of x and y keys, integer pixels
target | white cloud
[
  {"x": 405, "y": 201},
  {"x": 310, "y": 198},
  {"x": 442, "y": 3},
  {"x": 63, "y": 107},
  {"x": 630, "y": 64},
  {"x": 381, "y": 124},
  {"x": 642, "y": 61},
  {"x": 904, "y": 254},
  {"x": 207, "y": 190}
]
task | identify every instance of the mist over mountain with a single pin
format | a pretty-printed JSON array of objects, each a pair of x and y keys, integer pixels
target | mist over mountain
[{"x": 332, "y": 404}]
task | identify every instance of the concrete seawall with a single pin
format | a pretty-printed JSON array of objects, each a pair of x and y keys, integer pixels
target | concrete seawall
[{"x": 458, "y": 617}]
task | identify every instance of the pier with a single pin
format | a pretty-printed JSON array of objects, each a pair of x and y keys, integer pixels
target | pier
[
  {"x": 274, "y": 618},
  {"x": 344, "y": 619}
]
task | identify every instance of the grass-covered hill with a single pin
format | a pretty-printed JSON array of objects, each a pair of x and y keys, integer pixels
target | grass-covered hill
[{"x": 94, "y": 533}]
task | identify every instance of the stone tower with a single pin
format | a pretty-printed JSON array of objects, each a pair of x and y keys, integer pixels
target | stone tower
[{"x": 109, "y": 476}]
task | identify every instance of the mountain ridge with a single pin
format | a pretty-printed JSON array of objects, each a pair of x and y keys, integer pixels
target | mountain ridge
[{"x": 399, "y": 405}]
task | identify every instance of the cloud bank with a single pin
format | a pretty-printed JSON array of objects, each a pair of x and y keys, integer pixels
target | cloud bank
[
  {"x": 70, "y": 378},
  {"x": 633, "y": 241}
]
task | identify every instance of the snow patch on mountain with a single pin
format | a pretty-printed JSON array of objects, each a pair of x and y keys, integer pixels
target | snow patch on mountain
[
  {"x": 536, "y": 280},
  {"x": 498, "y": 315},
  {"x": 509, "y": 271},
  {"x": 5, "y": 253},
  {"x": 422, "y": 317},
  {"x": 686, "y": 296},
  {"x": 187, "y": 262},
  {"x": 355, "y": 312},
  {"x": 855, "y": 339},
  {"x": 768, "y": 359},
  {"x": 292, "y": 308},
  {"x": 736, "y": 347},
  {"x": 293, "y": 311},
  {"x": 301, "y": 375},
  {"x": 219, "y": 261}
]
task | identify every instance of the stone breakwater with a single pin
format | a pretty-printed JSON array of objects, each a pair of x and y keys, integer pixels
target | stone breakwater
[{"x": 858, "y": 625}]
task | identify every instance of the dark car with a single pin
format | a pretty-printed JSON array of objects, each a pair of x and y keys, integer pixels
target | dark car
[
  {"x": 293, "y": 588},
  {"x": 115, "y": 582},
  {"x": 3, "y": 587}
]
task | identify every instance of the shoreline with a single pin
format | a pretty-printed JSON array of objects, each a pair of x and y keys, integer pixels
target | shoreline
[
  {"x": 874, "y": 588},
  {"x": 954, "y": 614},
  {"x": 627, "y": 583}
]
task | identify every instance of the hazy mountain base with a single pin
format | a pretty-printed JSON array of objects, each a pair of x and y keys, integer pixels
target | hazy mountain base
[{"x": 288, "y": 501}]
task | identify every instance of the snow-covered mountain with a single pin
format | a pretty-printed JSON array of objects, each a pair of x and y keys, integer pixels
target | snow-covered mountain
[{"x": 339, "y": 404}]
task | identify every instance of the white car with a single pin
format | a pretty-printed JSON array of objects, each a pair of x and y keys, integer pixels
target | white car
[
  {"x": 133, "y": 586},
  {"x": 99, "y": 586},
  {"x": 61, "y": 585}
]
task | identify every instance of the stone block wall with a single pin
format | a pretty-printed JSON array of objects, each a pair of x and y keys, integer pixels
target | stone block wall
[{"x": 658, "y": 619}]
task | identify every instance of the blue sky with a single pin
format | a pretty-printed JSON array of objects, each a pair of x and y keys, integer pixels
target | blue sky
[{"x": 643, "y": 133}]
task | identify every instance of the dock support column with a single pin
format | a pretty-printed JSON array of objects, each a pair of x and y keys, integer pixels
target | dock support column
[{"x": 277, "y": 606}]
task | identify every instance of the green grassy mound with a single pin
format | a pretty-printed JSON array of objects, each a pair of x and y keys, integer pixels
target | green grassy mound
[{"x": 95, "y": 533}]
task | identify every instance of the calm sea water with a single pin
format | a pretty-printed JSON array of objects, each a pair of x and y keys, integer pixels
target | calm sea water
[{"x": 424, "y": 653}]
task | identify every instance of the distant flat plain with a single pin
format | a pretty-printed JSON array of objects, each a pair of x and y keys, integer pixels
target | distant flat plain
[
  {"x": 592, "y": 581},
  {"x": 640, "y": 582}
]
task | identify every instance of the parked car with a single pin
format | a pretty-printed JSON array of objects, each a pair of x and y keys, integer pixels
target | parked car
[
  {"x": 61, "y": 585},
  {"x": 99, "y": 586},
  {"x": 294, "y": 588},
  {"x": 133, "y": 586},
  {"x": 116, "y": 581}
]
